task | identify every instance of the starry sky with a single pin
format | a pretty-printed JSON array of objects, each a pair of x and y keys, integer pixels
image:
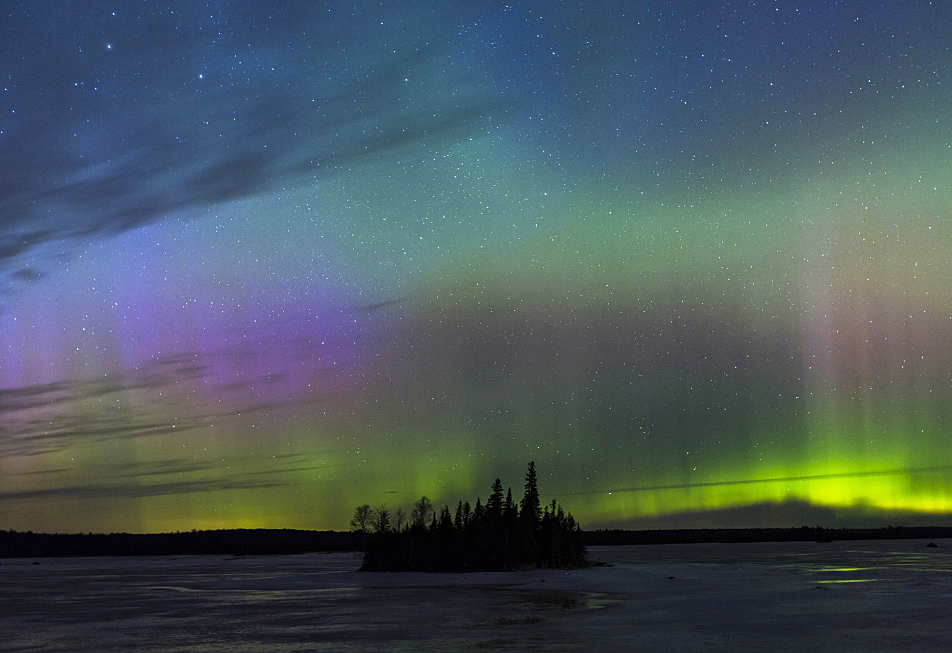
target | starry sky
[{"x": 261, "y": 263}]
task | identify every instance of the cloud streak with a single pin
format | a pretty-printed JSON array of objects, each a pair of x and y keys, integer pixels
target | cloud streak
[
  {"x": 109, "y": 137},
  {"x": 167, "y": 477},
  {"x": 778, "y": 479},
  {"x": 132, "y": 490},
  {"x": 150, "y": 400}
]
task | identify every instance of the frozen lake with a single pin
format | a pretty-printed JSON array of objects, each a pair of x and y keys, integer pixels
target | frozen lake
[{"x": 841, "y": 596}]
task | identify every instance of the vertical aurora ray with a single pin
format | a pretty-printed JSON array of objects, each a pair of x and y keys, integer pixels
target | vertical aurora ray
[{"x": 698, "y": 271}]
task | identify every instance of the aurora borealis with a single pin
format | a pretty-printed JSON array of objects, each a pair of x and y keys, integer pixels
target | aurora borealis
[{"x": 263, "y": 262}]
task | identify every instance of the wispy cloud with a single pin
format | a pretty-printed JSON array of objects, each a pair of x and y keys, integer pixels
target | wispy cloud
[
  {"x": 102, "y": 138},
  {"x": 146, "y": 478},
  {"x": 154, "y": 399},
  {"x": 131, "y": 490}
]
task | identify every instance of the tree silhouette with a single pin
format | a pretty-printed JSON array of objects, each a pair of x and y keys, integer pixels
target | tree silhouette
[
  {"x": 362, "y": 518},
  {"x": 494, "y": 503},
  {"x": 422, "y": 512},
  {"x": 530, "y": 510},
  {"x": 479, "y": 514},
  {"x": 445, "y": 524},
  {"x": 380, "y": 519},
  {"x": 509, "y": 508},
  {"x": 398, "y": 519},
  {"x": 491, "y": 537}
]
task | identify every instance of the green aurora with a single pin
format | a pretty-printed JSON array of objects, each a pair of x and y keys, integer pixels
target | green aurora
[{"x": 700, "y": 275}]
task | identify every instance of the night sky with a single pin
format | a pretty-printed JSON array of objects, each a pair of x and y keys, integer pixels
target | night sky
[{"x": 262, "y": 262}]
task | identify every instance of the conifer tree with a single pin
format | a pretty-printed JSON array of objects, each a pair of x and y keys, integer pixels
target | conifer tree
[
  {"x": 494, "y": 503},
  {"x": 495, "y": 536},
  {"x": 479, "y": 515},
  {"x": 509, "y": 508},
  {"x": 530, "y": 510},
  {"x": 446, "y": 522}
]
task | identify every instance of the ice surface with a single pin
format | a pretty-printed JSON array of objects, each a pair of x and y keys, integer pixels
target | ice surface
[{"x": 843, "y": 596}]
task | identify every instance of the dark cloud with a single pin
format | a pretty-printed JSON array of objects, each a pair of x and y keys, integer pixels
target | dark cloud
[
  {"x": 176, "y": 111},
  {"x": 136, "y": 489},
  {"x": 139, "y": 479},
  {"x": 160, "y": 372},
  {"x": 61, "y": 431},
  {"x": 138, "y": 469},
  {"x": 148, "y": 401},
  {"x": 27, "y": 274},
  {"x": 379, "y": 305},
  {"x": 42, "y": 472}
]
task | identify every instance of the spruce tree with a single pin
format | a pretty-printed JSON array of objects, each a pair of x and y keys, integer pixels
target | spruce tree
[
  {"x": 479, "y": 515},
  {"x": 530, "y": 510},
  {"x": 445, "y": 524},
  {"x": 497, "y": 535},
  {"x": 494, "y": 504},
  {"x": 509, "y": 508}
]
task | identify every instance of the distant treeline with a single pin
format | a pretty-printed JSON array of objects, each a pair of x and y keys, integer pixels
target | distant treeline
[
  {"x": 497, "y": 536},
  {"x": 14, "y": 544},
  {"x": 740, "y": 535}
]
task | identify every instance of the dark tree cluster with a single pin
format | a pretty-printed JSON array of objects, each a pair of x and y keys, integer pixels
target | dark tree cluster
[{"x": 496, "y": 536}]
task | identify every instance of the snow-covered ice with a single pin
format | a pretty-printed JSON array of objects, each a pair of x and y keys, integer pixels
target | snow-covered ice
[{"x": 841, "y": 596}]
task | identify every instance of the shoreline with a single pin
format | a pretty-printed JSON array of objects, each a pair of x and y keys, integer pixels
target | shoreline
[{"x": 14, "y": 544}]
